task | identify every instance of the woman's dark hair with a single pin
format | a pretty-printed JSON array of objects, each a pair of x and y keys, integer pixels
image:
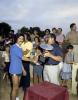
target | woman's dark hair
[
  {"x": 53, "y": 36},
  {"x": 54, "y": 28},
  {"x": 37, "y": 38},
  {"x": 60, "y": 29},
  {"x": 65, "y": 51},
  {"x": 17, "y": 36},
  {"x": 28, "y": 36},
  {"x": 70, "y": 47},
  {"x": 47, "y": 30}
]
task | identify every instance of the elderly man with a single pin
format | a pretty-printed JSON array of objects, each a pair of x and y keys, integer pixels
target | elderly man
[{"x": 72, "y": 37}]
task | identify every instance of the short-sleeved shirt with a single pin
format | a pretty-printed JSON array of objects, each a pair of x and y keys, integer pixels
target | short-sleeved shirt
[
  {"x": 15, "y": 59},
  {"x": 60, "y": 38},
  {"x": 56, "y": 52},
  {"x": 69, "y": 57},
  {"x": 29, "y": 46}
]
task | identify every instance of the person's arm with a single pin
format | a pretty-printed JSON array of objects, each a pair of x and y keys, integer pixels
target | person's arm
[
  {"x": 34, "y": 59},
  {"x": 25, "y": 58},
  {"x": 68, "y": 61},
  {"x": 26, "y": 52},
  {"x": 3, "y": 59},
  {"x": 57, "y": 58},
  {"x": 23, "y": 71},
  {"x": 67, "y": 37},
  {"x": 48, "y": 54}
]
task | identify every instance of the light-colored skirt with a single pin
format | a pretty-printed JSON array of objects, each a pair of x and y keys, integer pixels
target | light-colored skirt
[{"x": 66, "y": 72}]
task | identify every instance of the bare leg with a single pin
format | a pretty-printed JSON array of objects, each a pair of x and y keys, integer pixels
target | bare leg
[
  {"x": 64, "y": 83},
  {"x": 15, "y": 80},
  {"x": 35, "y": 79},
  {"x": 40, "y": 79}
]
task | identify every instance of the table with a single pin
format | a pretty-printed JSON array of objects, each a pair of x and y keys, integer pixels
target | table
[{"x": 46, "y": 91}]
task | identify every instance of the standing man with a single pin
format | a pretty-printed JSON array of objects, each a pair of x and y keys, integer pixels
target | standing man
[
  {"x": 51, "y": 68},
  {"x": 72, "y": 38}
]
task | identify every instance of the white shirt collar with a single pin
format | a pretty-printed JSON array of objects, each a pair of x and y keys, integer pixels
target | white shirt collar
[{"x": 18, "y": 45}]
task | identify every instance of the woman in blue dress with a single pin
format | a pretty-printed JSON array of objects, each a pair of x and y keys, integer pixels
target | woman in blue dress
[{"x": 16, "y": 67}]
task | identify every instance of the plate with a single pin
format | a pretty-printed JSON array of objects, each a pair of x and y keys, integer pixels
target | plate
[{"x": 46, "y": 46}]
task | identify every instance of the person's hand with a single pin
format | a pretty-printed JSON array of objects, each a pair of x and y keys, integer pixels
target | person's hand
[
  {"x": 47, "y": 54},
  {"x": 4, "y": 65},
  {"x": 24, "y": 73},
  {"x": 26, "y": 52},
  {"x": 35, "y": 59}
]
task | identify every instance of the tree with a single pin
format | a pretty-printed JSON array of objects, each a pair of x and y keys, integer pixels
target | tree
[
  {"x": 23, "y": 29},
  {"x": 5, "y": 29},
  {"x": 37, "y": 29}
]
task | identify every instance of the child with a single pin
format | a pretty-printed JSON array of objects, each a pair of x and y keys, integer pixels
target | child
[
  {"x": 37, "y": 67},
  {"x": 66, "y": 72}
]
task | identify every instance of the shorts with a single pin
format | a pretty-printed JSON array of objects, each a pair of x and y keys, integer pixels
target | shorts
[{"x": 16, "y": 75}]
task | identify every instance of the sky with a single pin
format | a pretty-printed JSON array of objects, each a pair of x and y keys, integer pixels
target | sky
[{"x": 42, "y": 13}]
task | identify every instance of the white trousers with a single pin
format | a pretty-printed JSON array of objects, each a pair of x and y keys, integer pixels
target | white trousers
[
  {"x": 74, "y": 69},
  {"x": 74, "y": 83},
  {"x": 51, "y": 73},
  {"x": 75, "y": 50}
]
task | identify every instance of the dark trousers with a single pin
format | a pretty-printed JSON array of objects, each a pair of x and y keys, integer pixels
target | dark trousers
[{"x": 25, "y": 80}]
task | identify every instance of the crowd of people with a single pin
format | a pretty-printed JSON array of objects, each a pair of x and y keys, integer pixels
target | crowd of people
[{"x": 58, "y": 61}]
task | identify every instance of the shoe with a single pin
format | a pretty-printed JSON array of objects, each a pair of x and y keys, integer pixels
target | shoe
[{"x": 17, "y": 98}]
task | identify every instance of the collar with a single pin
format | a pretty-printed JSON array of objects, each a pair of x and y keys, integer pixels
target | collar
[{"x": 18, "y": 45}]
